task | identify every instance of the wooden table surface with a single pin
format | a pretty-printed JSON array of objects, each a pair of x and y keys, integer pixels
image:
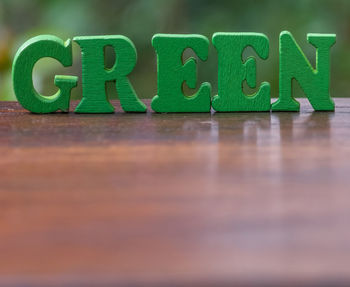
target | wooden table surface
[{"x": 245, "y": 199}]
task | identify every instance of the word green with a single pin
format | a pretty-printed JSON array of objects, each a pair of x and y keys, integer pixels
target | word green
[{"x": 173, "y": 73}]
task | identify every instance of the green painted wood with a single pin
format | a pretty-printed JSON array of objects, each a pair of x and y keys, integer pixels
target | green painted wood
[
  {"x": 294, "y": 65},
  {"x": 95, "y": 75},
  {"x": 172, "y": 73},
  {"x": 233, "y": 72},
  {"x": 27, "y": 56}
]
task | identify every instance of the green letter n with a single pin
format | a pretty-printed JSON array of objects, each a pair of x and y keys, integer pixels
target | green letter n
[{"x": 314, "y": 82}]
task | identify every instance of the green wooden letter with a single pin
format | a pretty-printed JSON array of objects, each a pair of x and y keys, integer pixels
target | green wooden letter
[
  {"x": 25, "y": 59},
  {"x": 294, "y": 65},
  {"x": 95, "y": 75},
  {"x": 172, "y": 73},
  {"x": 233, "y": 72}
]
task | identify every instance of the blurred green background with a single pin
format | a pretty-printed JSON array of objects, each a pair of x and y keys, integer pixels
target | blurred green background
[{"x": 141, "y": 19}]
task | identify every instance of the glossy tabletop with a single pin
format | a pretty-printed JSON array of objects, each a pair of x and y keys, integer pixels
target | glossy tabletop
[{"x": 238, "y": 199}]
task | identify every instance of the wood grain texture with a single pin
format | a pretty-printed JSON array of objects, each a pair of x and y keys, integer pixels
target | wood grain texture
[
  {"x": 234, "y": 71},
  {"x": 173, "y": 74},
  {"x": 27, "y": 56},
  {"x": 246, "y": 199},
  {"x": 294, "y": 65},
  {"x": 95, "y": 75}
]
